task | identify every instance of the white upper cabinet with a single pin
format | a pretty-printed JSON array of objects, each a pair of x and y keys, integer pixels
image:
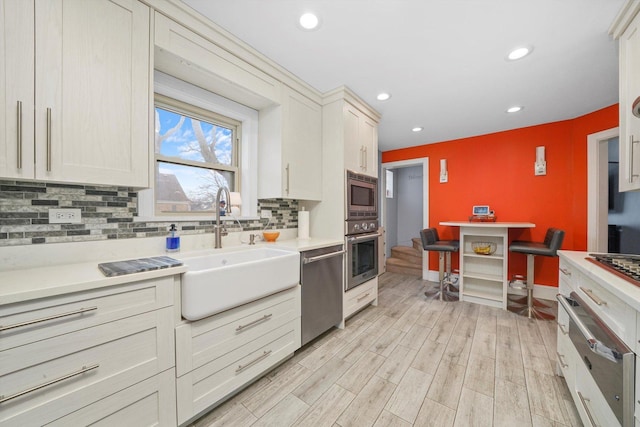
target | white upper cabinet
[
  {"x": 627, "y": 29},
  {"x": 360, "y": 141},
  {"x": 290, "y": 149},
  {"x": 91, "y": 92}
]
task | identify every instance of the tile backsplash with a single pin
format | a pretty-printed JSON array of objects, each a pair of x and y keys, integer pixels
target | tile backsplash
[{"x": 107, "y": 213}]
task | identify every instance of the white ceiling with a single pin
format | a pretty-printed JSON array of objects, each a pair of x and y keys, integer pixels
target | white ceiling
[{"x": 443, "y": 61}]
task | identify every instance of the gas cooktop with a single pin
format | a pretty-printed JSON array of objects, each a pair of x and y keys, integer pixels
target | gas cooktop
[{"x": 622, "y": 265}]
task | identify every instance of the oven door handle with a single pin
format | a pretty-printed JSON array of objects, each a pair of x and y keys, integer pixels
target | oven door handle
[
  {"x": 595, "y": 346},
  {"x": 363, "y": 237}
]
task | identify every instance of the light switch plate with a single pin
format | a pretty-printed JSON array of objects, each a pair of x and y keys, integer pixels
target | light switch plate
[{"x": 65, "y": 216}]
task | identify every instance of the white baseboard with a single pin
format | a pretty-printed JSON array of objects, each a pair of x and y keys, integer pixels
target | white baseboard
[{"x": 539, "y": 291}]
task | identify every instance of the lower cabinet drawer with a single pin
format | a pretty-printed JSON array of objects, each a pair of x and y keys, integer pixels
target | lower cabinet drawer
[
  {"x": 567, "y": 357},
  {"x": 590, "y": 403},
  {"x": 45, "y": 380},
  {"x": 360, "y": 296},
  {"x": 209, "y": 384},
  {"x": 202, "y": 341},
  {"x": 147, "y": 403},
  {"x": 35, "y": 320}
]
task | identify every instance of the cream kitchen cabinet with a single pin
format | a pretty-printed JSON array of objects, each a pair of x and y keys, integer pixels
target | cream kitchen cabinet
[
  {"x": 290, "y": 148},
  {"x": 626, "y": 29},
  {"x": 77, "y": 358},
  {"x": 75, "y": 91},
  {"x": 361, "y": 141}
]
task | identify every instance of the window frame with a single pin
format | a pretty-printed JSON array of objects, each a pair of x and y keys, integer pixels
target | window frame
[{"x": 192, "y": 111}]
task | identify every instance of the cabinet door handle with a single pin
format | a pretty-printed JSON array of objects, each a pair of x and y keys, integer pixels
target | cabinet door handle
[
  {"x": 287, "y": 189},
  {"x": 631, "y": 153},
  {"x": 45, "y": 319},
  {"x": 19, "y": 135},
  {"x": 262, "y": 319},
  {"x": 584, "y": 401},
  {"x": 363, "y": 297},
  {"x": 365, "y": 160},
  {"x": 593, "y": 297},
  {"x": 48, "y": 139},
  {"x": 264, "y": 354},
  {"x": 565, "y": 272},
  {"x": 362, "y": 157},
  {"x": 561, "y": 360},
  {"x": 80, "y": 371}
]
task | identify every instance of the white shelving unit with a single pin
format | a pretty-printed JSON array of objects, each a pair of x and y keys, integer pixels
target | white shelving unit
[{"x": 483, "y": 278}]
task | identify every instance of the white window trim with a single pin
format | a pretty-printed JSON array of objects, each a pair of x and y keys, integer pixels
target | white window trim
[{"x": 185, "y": 92}]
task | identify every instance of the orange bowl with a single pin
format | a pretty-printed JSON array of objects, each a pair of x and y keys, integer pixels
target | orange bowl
[{"x": 270, "y": 236}]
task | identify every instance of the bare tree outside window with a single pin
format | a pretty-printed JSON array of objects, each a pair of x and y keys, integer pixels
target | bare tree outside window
[{"x": 196, "y": 154}]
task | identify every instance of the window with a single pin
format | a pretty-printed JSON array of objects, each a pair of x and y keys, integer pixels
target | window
[{"x": 196, "y": 152}]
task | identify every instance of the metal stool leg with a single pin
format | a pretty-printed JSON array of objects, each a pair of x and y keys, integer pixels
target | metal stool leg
[
  {"x": 444, "y": 272},
  {"x": 534, "y": 308}
]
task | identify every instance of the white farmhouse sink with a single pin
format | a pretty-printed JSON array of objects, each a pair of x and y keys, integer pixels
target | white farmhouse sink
[{"x": 220, "y": 281}]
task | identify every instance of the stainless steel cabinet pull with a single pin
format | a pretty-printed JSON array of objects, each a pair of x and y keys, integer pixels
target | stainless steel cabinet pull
[
  {"x": 631, "y": 153},
  {"x": 262, "y": 319},
  {"x": 48, "y": 139},
  {"x": 562, "y": 329},
  {"x": 593, "y": 297},
  {"x": 254, "y": 361},
  {"x": 364, "y": 159},
  {"x": 19, "y": 135},
  {"x": 584, "y": 401},
  {"x": 363, "y": 297},
  {"x": 81, "y": 371},
  {"x": 560, "y": 359},
  {"x": 287, "y": 189},
  {"x": 565, "y": 272},
  {"x": 321, "y": 257},
  {"x": 45, "y": 319}
]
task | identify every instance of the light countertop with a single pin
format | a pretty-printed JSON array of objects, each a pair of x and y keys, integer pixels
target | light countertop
[
  {"x": 488, "y": 224},
  {"x": 621, "y": 288},
  {"x": 44, "y": 278}
]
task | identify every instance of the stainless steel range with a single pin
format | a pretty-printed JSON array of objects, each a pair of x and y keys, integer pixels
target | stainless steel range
[{"x": 622, "y": 265}]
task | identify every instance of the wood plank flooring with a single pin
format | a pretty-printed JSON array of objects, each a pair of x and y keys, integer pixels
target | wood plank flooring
[{"x": 413, "y": 362}]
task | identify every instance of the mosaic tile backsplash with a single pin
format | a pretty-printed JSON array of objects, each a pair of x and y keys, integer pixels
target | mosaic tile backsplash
[{"x": 107, "y": 213}]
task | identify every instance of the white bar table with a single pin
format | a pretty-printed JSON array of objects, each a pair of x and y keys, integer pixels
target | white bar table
[{"x": 483, "y": 278}]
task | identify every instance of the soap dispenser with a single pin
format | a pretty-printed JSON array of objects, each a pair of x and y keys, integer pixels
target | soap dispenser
[{"x": 173, "y": 240}]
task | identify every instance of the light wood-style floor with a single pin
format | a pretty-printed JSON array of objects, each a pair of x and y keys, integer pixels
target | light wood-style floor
[{"x": 411, "y": 361}]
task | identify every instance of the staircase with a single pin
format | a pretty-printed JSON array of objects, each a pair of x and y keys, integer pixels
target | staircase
[{"x": 406, "y": 259}]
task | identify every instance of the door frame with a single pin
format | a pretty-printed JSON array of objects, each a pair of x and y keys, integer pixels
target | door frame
[
  {"x": 421, "y": 161},
  {"x": 597, "y": 189}
]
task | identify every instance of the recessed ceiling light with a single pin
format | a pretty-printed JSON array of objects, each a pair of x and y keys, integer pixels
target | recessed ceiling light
[
  {"x": 514, "y": 109},
  {"x": 309, "y": 21},
  {"x": 417, "y": 129},
  {"x": 518, "y": 53},
  {"x": 383, "y": 96}
]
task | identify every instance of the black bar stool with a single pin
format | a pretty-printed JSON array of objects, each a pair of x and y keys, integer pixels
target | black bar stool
[
  {"x": 530, "y": 306},
  {"x": 431, "y": 242}
]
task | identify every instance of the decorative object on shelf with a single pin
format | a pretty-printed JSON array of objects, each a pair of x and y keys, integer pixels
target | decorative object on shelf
[
  {"x": 484, "y": 248},
  {"x": 482, "y": 213},
  {"x": 270, "y": 236},
  {"x": 444, "y": 175},
  {"x": 541, "y": 164}
]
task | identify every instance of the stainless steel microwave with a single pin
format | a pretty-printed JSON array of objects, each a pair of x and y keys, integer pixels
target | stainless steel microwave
[{"x": 362, "y": 196}]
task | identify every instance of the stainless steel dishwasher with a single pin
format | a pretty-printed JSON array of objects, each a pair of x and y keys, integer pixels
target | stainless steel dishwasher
[{"x": 321, "y": 276}]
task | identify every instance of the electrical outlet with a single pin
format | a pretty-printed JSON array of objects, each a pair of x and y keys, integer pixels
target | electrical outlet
[
  {"x": 65, "y": 216},
  {"x": 265, "y": 213}
]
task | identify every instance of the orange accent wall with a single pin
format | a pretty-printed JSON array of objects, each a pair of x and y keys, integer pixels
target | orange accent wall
[{"x": 497, "y": 170}]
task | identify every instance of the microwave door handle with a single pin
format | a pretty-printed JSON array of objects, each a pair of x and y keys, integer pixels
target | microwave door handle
[{"x": 594, "y": 345}]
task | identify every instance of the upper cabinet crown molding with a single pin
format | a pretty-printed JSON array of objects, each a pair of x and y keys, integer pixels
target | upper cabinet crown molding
[
  {"x": 624, "y": 18},
  {"x": 343, "y": 93}
]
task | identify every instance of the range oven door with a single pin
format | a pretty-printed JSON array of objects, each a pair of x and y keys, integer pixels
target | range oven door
[
  {"x": 609, "y": 361},
  {"x": 362, "y": 259}
]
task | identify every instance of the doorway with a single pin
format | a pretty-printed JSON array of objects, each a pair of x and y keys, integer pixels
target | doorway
[{"x": 404, "y": 192}]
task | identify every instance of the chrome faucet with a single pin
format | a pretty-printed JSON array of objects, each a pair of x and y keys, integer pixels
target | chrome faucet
[{"x": 219, "y": 230}]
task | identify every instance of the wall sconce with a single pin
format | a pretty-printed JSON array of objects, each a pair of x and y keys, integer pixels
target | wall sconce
[
  {"x": 235, "y": 202},
  {"x": 444, "y": 175},
  {"x": 541, "y": 164}
]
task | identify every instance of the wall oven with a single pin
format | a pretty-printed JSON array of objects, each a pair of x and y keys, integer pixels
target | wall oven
[
  {"x": 608, "y": 360},
  {"x": 362, "y": 242},
  {"x": 362, "y": 196}
]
